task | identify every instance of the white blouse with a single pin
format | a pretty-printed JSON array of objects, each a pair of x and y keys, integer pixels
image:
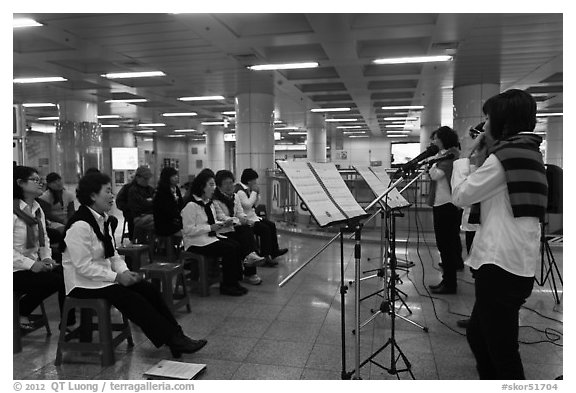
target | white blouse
[
  {"x": 195, "y": 225},
  {"x": 23, "y": 258},
  {"x": 244, "y": 205}
]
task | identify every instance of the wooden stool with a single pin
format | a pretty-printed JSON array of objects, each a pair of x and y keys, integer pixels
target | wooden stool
[
  {"x": 16, "y": 333},
  {"x": 133, "y": 255},
  {"x": 208, "y": 270},
  {"x": 161, "y": 274},
  {"x": 171, "y": 244},
  {"x": 104, "y": 326}
]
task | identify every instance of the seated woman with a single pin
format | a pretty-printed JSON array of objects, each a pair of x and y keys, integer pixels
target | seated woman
[
  {"x": 167, "y": 204},
  {"x": 247, "y": 198},
  {"x": 224, "y": 205},
  {"x": 35, "y": 274},
  {"x": 93, "y": 269},
  {"x": 199, "y": 230}
]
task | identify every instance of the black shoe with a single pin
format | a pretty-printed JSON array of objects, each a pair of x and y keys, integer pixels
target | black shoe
[
  {"x": 231, "y": 290},
  {"x": 269, "y": 262},
  {"x": 279, "y": 253},
  {"x": 463, "y": 323},
  {"x": 436, "y": 286},
  {"x": 241, "y": 288},
  {"x": 181, "y": 343},
  {"x": 443, "y": 290}
]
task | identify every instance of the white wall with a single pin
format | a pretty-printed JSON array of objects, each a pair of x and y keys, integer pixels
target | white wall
[
  {"x": 360, "y": 151},
  {"x": 194, "y": 157}
]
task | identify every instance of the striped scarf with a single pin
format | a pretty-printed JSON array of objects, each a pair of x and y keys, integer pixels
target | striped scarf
[{"x": 525, "y": 176}]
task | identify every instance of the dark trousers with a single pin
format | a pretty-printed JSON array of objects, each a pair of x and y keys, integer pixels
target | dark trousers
[
  {"x": 142, "y": 304},
  {"x": 469, "y": 240},
  {"x": 38, "y": 286},
  {"x": 244, "y": 236},
  {"x": 229, "y": 250},
  {"x": 492, "y": 332},
  {"x": 268, "y": 238},
  {"x": 447, "y": 219}
]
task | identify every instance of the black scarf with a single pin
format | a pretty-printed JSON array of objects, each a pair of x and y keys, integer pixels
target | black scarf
[
  {"x": 208, "y": 212},
  {"x": 226, "y": 200},
  {"x": 84, "y": 214},
  {"x": 30, "y": 222},
  {"x": 57, "y": 195},
  {"x": 525, "y": 176}
]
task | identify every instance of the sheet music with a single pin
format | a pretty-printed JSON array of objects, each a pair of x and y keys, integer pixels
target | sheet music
[
  {"x": 311, "y": 192},
  {"x": 336, "y": 186},
  {"x": 175, "y": 370},
  {"x": 379, "y": 181}
]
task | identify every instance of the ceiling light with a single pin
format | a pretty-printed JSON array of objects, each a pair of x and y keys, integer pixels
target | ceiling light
[
  {"x": 358, "y": 136},
  {"x": 122, "y": 75},
  {"x": 397, "y": 136},
  {"x": 298, "y": 133},
  {"x": 49, "y": 118},
  {"x": 286, "y": 66},
  {"x": 398, "y": 132},
  {"x": 176, "y": 136},
  {"x": 417, "y": 59},
  {"x": 549, "y": 114},
  {"x": 229, "y": 113},
  {"x": 24, "y": 22},
  {"x": 398, "y": 107},
  {"x": 37, "y": 104},
  {"x": 395, "y": 125},
  {"x": 330, "y": 110},
  {"x": 185, "y": 130},
  {"x": 401, "y": 118},
  {"x": 278, "y": 121},
  {"x": 205, "y": 98},
  {"x": 128, "y": 100},
  {"x": 108, "y": 117},
  {"x": 345, "y": 127},
  {"x": 152, "y": 125},
  {"x": 353, "y": 132},
  {"x": 42, "y": 79},
  {"x": 109, "y": 126},
  {"x": 215, "y": 123},
  {"x": 339, "y": 120},
  {"x": 146, "y": 131},
  {"x": 176, "y": 114},
  {"x": 285, "y": 128}
]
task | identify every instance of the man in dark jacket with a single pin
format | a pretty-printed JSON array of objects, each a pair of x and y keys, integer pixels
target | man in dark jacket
[{"x": 140, "y": 197}]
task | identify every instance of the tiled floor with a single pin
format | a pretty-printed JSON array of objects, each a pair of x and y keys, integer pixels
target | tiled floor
[{"x": 294, "y": 332}]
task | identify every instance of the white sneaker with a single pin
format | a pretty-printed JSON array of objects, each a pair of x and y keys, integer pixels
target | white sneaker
[
  {"x": 253, "y": 279},
  {"x": 253, "y": 259}
]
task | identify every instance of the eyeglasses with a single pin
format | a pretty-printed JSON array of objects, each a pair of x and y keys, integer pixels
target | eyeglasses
[{"x": 37, "y": 180}]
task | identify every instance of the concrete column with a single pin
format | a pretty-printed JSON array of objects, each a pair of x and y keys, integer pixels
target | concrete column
[
  {"x": 468, "y": 101},
  {"x": 554, "y": 141},
  {"x": 316, "y": 137},
  {"x": 78, "y": 139},
  {"x": 254, "y": 105},
  {"x": 430, "y": 121},
  {"x": 215, "y": 157}
]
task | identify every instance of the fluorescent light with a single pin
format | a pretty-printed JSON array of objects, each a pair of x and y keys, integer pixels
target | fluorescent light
[
  {"x": 128, "y": 100},
  {"x": 286, "y": 128},
  {"x": 205, "y": 98},
  {"x": 41, "y": 79},
  {"x": 353, "y": 132},
  {"x": 394, "y": 125},
  {"x": 298, "y": 133},
  {"x": 121, "y": 75},
  {"x": 24, "y": 22},
  {"x": 37, "y": 104},
  {"x": 398, "y": 107},
  {"x": 146, "y": 131},
  {"x": 278, "y": 121},
  {"x": 358, "y": 136},
  {"x": 152, "y": 125},
  {"x": 185, "y": 130},
  {"x": 401, "y": 118},
  {"x": 214, "y": 123},
  {"x": 397, "y": 136},
  {"x": 176, "y": 114},
  {"x": 49, "y": 118},
  {"x": 345, "y": 127},
  {"x": 286, "y": 66},
  {"x": 339, "y": 120},
  {"x": 176, "y": 136},
  {"x": 417, "y": 59},
  {"x": 229, "y": 113},
  {"x": 108, "y": 117},
  {"x": 330, "y": 110},
  {"x": 549, "y": 114},
  {"x": 109, "y": 126}
]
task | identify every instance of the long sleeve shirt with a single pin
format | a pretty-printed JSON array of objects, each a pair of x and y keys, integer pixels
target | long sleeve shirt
[
  {"x": 442, "y": 186},
  {"x": 83, "y": 261},
  {"x": 23, "y": 258},
  {"x": 223, "y": 214},
  {"x": 195, "y": 227},
  {"x": 244, "y": 205},
  {"x": 512, "y": 243}
]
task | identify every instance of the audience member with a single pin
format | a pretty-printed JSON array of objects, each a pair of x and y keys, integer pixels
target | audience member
[
  {"x": 508, "y": 194},
  {"x": 140, "y": 197},
  {"x": 93, "y": 269},
  {"x": 199, "y": 230},
  {"x": 34, "y": 273},
  {"x": 247, "y": 198},
  {"x": 167, "y": 204},
  {"x": 58, "y": 206},
  {"x": 446, "y": 216},
  {"x": 224, "y": 205}
]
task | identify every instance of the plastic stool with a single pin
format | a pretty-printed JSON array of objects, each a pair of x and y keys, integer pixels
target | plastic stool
[
  {"x": 16, "y": 334},
  {"x": 206, "y": 267},
  {"x": 133, "y": 255},
  {"x": 161, "y": 274}
]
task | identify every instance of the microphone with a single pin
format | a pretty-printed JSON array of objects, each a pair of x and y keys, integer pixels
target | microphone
[
  {"x": 448, "y": 156},
  {"x": 413, "y": 163}
]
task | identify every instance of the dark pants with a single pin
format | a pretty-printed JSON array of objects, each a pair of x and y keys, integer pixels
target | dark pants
[
  {"x": 493, "y": 328},
  {"x": 142, "y": 304},
  {"x": 38, "y": 286},
  {"x": 447, "y": 219},
  {"x": 229, "y": 250},
  {"x": 244, "y": 236},
  {"x": 469, "y": 240},
  {"x": 268, "y": 238}
]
